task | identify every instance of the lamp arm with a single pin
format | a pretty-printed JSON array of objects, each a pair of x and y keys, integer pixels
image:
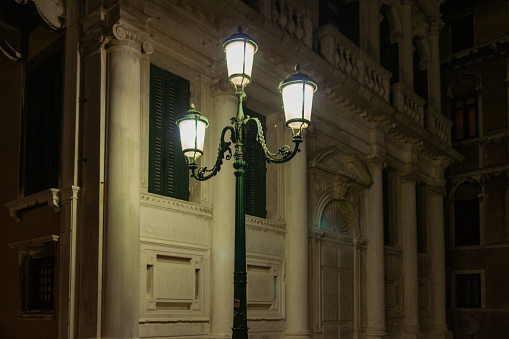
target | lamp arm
[
  {"x": 283, "y": 154},
  {"x": 224, "y": 147}
]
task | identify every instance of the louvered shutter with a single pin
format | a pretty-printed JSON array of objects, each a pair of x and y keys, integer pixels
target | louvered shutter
[
  {"x": 169, "y": 99},
  {"x": 255, "y": 195},
  {"x": 43, "y": 113}
]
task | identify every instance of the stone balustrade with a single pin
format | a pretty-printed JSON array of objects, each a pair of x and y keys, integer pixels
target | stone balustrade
[
  {"x": 439, "y": 125},
  {"x": 409, "y": 103},
  {"x": 285, "y": 14},
  {"x": 348, "y": 57}
]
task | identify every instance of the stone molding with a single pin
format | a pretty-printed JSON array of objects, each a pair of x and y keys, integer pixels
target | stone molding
[
  {"x": 37, "y": 242},
  {"x": 265, "y": 225},
  {"x": 51, "y": 197},
  {"x": 175, "y": 205}
]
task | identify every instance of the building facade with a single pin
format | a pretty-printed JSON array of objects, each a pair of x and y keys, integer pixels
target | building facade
[
  {"x": 104, "y": 235},
  {"x": 474, "y": 92}
]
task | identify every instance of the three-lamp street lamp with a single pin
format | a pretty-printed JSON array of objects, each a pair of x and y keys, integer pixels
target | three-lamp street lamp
[{"x": 297, "y": 94}]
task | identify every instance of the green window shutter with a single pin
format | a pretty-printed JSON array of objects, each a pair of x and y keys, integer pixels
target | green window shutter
[
  {"x": 169, "y": 99},
  {"x": 255, "y": 195},
  {"x": 42, "y": 134}
]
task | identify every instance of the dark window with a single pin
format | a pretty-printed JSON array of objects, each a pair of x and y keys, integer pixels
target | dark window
[
  {"x": 37, "y": 285},
  {"x": 255, "y": 177},
  {"x": 468, "y": 290},
  {"x": 389, "y": 51},
  {"x": 420, "y": 76},
  {"x": 462, "y": 34},
  {"x": 465, "y": 118},
  {"x": 169, "y": 99},
  {"x": 41, "y": 284},
  {"x": 344, "y": 15},
  {"x": 466, "y": 216},
  {"x": 464, "y": 112},
  {"x": 42, "y": 119},
  {"x": 422, "y": 237},
  {"x": 388, "y": 209}
]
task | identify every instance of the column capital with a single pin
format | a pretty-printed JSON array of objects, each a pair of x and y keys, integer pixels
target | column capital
[
  {"x": 376, "y": 161},
  {"x": 120, "y": 36},
  {"x": 435, "y": 27},
  {"x": 437, "y": 190}
]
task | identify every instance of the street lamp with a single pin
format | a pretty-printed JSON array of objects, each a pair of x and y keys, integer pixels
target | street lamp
[{"x": 297, "y": 94}]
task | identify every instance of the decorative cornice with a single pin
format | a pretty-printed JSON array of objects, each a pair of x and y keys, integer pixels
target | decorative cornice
[
  {"x": 176, "y": 205},
  {"x": 265, "y": 225},
  {"x": 38, "y": 242},
  {"x": 49, "y": 197}
]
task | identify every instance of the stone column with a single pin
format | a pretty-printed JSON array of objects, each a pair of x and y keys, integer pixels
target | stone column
[
  {"x": 370, "y": 28},
  {"x": 375, "y": 266},
  {"x": 435, "y": 217},
  {"x": 410, "y": 328},
  {"x": 296, "y": 247},
  {"x": 121, "y": 236},
  {"x": 223, "y": 223},
  {"x": 406, "y": 70}
]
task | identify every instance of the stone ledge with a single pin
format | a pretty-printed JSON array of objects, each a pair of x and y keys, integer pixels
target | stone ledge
[{"x": 49, "y": 197}]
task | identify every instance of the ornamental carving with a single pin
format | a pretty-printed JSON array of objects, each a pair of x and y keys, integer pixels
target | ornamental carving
[
  {"x": 335, "y": 218},
  {"x": 123, "y": 37}
]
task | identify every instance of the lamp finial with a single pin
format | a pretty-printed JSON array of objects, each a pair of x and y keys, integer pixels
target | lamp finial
[
  {"x": 240, "y": 29},
  {"x": 297, "y": 68},
  {"x": 192, "y": 106}
]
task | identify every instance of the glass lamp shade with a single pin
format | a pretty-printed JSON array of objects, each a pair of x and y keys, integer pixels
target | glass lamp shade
[
  {"x": 297, "y": 91},
  {"x": 240, "y": 51},
  {"x": 192, "y": 133}
]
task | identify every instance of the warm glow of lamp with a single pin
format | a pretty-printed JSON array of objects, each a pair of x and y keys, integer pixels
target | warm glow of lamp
[
  {"x": 297, "y": 92},
  {"x": 192, "y": 133},
  {"x": 240, "y": 51}
]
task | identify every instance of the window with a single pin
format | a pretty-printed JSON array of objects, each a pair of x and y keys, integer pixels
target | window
[
  {"x": 420, "y": 200},
  {"x": 464, "y": 112},
  {"x": 41, "y": 121},
  {"x": 420, "y": 74},
  {"x": 466, "y": 215},
  {"x": 462, "y": 34},
  {"x": 343, "y": 14},
  {"x": 389, "y": 50},
  {"x": 37, "y": 277},
  {"x": 169, "y": 100},
  {"x": 389, "y": 208},
  {"x": 255, "y": 177},
  {"x": 468, "y": 290}
]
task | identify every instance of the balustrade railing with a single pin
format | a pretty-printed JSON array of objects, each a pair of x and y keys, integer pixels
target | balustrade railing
[
  {"x": 409, "y": 103},
  {"x": 287, "y": 16},
  {"x": 440, "y": 126},
  {"x": 348, "y": 57}
]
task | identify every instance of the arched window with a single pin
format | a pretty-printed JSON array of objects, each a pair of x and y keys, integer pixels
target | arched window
[
  {"x": 464, "y": 113},
  {"x": 420, "y": 71},
  {"x": 389, "y": 48},
  {"x": 466, "y": 215}
]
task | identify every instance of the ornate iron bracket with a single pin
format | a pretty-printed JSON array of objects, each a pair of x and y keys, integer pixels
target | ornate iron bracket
[
  {"x": 283, "y": 154},
  {"x": 224, "y": 147}
]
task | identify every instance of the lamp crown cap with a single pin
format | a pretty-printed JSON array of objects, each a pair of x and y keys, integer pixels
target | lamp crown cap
[{"x": 297, "y": 76}]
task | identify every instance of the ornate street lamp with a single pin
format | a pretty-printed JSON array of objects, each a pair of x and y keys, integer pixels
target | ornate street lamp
[{"x": 297, "y": 93}]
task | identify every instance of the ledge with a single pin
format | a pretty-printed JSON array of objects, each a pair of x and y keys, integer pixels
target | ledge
[
  {"x": 186, "y": 207},
  {"x": 32, "y": 243},
  {"x": 49, "y": 197}
]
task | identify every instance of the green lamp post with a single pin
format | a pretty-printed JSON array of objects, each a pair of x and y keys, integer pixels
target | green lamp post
[{"x": 297, "y": 93}]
